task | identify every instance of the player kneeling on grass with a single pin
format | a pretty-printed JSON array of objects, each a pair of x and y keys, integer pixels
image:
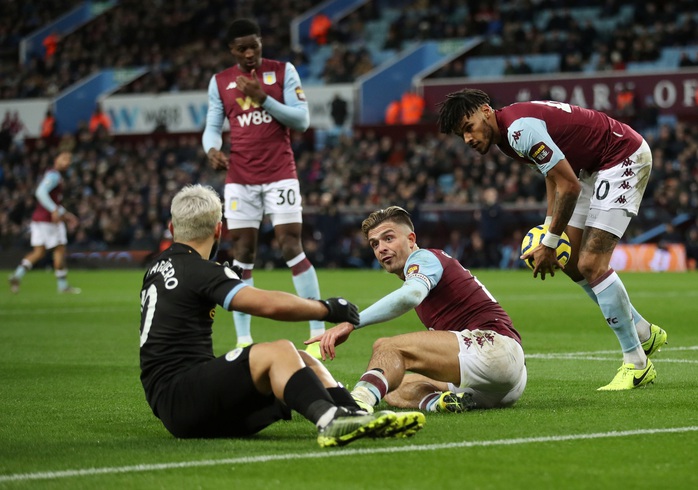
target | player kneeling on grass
[
  {"x": 471, "y": 356},
  {"x": 196, "y": 394}
]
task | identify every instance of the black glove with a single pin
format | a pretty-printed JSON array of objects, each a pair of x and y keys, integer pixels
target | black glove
[
  {"x": 235, "y": 268},
  {"x": 340, "y": 310}
]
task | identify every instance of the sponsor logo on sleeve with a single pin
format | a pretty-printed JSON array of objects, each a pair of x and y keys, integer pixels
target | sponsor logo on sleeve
[
  {"x": 413, "y": 271},
  {"x": 300, "y": 94},
  {"x": 540, "y": 153}
]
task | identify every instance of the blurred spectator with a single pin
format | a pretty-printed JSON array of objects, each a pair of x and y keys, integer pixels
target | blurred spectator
[
  {"x": 625, "y": 100},
  {"x": 48, "y": 126},
  {"x": 50, "y": 44},
  {"x": 393, "y": 113},
  {"x": 412, "y": 107},
  {"x": 491, "y": 223},
  {"x": 685, "y": 61},
  {"x": 339, "y": 111},
  {"x": 320, "y": 26},
  {"x": 99, "y": 119}
]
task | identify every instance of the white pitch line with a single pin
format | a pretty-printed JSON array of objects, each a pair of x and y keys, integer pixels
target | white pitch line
[
  {"x": 567, "y": 357},
  {"x": 60, "y": 311},
  {"x": 53, "y": 475},
  {"x": 612, "y": 355}
]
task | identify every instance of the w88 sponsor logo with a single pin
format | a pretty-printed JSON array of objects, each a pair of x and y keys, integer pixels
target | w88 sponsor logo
[{"x": 255, "y": 118}]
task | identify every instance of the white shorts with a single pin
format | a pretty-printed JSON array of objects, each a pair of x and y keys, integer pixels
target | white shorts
[
  {"x": 246, "y": 205},
  {"x": 492, "y": 368},
  {"x": 48, "y": 235},
  {"x": 611, "y": 197}
]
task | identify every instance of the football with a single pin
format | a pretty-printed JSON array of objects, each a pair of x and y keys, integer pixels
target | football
[{"x": 533, "y": 239}]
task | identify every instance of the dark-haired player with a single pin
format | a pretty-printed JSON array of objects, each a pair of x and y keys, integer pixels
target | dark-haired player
[
  {"x": 262, "y": 100},
  {"x": 471, "y": 355},
  {"x": 196, "y": 394},
  {"x": 596, "y": 171}
]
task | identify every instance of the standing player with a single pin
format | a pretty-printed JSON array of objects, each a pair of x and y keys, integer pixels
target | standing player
[
  {"x": 262, "y": 100},
  {"x": 196, "y": 394},
  {"x": 48, "y": 230},
  {"x": 596, "y": 170},
  {"x": 471, "y": 355}
]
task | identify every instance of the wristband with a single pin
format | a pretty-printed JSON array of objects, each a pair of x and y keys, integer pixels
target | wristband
[
  {"x": 548, "y": 220},
  {"x": 550, "y": 240}
]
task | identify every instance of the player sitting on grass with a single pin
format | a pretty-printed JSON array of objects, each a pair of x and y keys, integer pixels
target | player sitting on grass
[
  {"x": 196, "y": 394},
  {"x": 471, "y": 355}
]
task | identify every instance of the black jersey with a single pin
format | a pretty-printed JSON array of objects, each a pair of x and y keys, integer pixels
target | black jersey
[{"x": 178, "y": 303}]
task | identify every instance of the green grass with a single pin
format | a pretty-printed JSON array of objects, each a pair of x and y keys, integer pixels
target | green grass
[{"x": 71, "y": 400}]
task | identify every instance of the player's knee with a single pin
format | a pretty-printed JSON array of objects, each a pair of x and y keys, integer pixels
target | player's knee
[
  {"x": 591, "y": 267},
  {"x": 284, "y": 347},
  {"x": 381, "y": 344},
  {"x": 273, "y": 351},
  {"x": 391, "y": 345}
]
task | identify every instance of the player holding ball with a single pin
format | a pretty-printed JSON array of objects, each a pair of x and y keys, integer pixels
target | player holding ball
[{"x": 596, "y": 171}]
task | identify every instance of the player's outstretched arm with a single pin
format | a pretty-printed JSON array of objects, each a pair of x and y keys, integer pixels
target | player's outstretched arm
[{"x": 279, "y": 305}]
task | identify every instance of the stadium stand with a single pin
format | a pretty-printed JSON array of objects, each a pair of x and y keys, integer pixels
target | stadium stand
[{"x": 121, "y": 187}]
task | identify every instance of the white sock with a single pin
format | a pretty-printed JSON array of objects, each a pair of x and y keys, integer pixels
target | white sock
[
  {"x": 615, "y": 305},
  {"x": 242, "y": 320}
]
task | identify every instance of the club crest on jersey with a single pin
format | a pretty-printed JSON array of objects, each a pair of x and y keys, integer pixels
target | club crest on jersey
[
  {"x": 269, "y": 77},
  {"x": 540, "y": 153},
  {"x": 300, "y": 94},
  {"x": 231, "y": 86},
  {"x": 233, "y": 205}
]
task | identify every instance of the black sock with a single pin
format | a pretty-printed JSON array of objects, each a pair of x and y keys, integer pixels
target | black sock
[
  {"x": 305, "y": 394},
  {"x": 343, "y": 398}
]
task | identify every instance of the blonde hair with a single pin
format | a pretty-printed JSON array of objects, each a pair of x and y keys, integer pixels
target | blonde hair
[
  {"x": 196, "y": 210},
  {"x": 393, "y": 213}
]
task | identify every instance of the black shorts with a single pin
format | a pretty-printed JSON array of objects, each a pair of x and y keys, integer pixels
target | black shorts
[{"x": 218, "y": 399}]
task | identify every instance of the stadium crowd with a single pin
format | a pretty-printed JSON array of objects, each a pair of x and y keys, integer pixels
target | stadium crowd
[
  {"x": 182, "y": 42},
  {"x": 121, "y": 190}
]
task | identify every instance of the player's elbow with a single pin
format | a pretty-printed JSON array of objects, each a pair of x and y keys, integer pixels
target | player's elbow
[
  {"x": 573, "y": 187},
  {"x": 410, "y": 300},
  {"x": 303, "y": 125}
]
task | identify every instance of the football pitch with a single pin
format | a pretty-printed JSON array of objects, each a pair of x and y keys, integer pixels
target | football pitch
[{"x": 73, "y": 414}]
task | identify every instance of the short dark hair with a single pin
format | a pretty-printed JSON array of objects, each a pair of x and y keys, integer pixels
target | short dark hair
[
  {"x": 458, "y": 105},
  {"x": 242, "y": 28},
  {"x": 392, "y": 213}
]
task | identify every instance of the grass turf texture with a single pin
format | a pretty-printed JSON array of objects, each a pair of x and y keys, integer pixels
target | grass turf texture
[{"x": 71, "y": 400}]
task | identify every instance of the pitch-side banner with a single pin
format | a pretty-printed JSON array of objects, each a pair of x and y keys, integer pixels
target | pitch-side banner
[
  {"x": 649, "y": 258},
  {"x": 673, "y": 93},
  {"x": 185, "y": 112}
]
